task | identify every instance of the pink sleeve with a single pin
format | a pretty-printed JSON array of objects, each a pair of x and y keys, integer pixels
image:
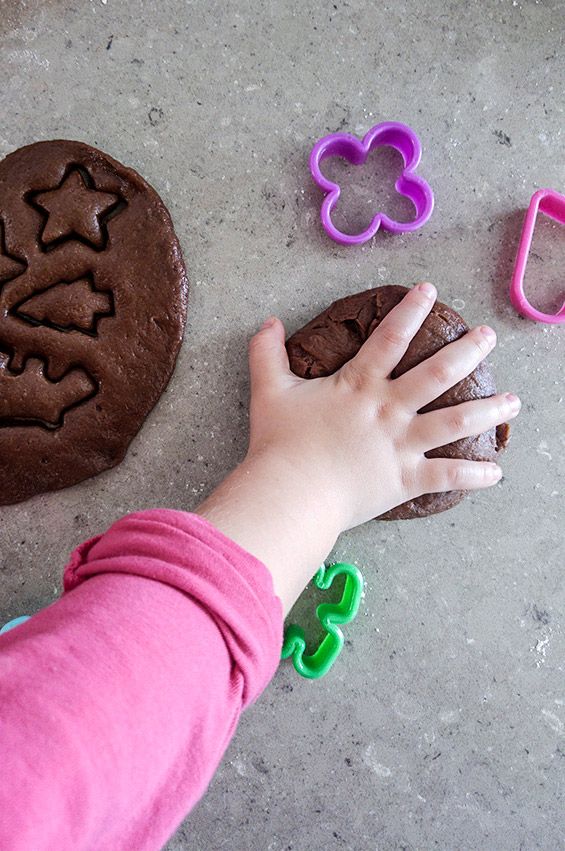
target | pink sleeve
[{"x": 118, "y": 701}]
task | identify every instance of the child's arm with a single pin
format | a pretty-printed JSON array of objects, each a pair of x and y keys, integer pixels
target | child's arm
[
  {"x": 117, "y": 701},
  {"x": 330, "y": 453}
]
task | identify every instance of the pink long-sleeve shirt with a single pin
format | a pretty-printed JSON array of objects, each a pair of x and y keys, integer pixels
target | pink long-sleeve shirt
[{"x": 118, "y": 701}]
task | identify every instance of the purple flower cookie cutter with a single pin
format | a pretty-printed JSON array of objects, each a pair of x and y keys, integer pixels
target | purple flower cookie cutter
[{"x": 390, "y": 133}]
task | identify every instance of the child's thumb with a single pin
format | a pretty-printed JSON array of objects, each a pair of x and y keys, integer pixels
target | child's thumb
[{"x": 268, "y": 359}]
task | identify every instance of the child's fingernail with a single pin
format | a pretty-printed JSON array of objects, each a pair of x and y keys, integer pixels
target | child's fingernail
[
  {"x": 268, "y": 323},
  {"x": 495, "y": 472},
  {"x": 427, "y": 289},
  {"x": 513, "y": 400},
  {"x": 488, "y": 333}
]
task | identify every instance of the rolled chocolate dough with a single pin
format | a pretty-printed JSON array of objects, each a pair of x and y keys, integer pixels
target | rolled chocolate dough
[{"x": 93, "y": 295}]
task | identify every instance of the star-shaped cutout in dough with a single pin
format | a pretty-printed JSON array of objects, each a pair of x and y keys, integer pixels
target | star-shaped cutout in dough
[
  {"x": 10, "y": 267},
  {"x": 74, "y": 210}
]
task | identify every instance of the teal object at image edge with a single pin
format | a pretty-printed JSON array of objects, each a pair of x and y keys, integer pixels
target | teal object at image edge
[{"x": 13, "y": 623}]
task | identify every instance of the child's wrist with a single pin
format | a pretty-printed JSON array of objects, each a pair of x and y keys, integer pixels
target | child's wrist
[
  {"x": 267, "y": 507},
  {"x": 303, "y": 496}
]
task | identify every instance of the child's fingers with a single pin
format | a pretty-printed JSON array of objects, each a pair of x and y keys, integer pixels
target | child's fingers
[
  {"x": 438, "y": 428},
  {"x": 456, "y": 361},
  {"x": 268, "y": 358},
  {"x": 387, "y": 344},
  {"x": 451, "y": 474}
]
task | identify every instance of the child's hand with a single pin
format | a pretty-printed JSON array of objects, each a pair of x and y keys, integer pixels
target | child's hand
[
  {"x": 355, "y": 437},
  {"x": 326, "y": 454}
]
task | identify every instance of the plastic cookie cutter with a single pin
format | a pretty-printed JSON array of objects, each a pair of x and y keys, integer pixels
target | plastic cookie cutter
[
  {"x": 553, "y": 205},
  {"x": 13, "y": 623},
  {"x": 395, "y": 135},
  {"x": 331, "y": 616}
]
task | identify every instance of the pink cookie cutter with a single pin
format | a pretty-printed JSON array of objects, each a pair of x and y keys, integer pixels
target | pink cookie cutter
[
  {"x": 395, "y": 135},
  {"x": 553, "y": 205}
]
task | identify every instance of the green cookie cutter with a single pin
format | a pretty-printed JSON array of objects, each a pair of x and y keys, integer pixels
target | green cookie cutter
[{"x": 330, "y": 615}]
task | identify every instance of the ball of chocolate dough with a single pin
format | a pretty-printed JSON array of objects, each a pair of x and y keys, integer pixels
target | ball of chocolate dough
[
  {"x": 331, "y": 339},
  {"x": 93, "y": 295}
]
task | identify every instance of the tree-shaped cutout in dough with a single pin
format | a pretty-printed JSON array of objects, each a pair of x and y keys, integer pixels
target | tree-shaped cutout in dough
[{"x": 67, "y": 306}]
